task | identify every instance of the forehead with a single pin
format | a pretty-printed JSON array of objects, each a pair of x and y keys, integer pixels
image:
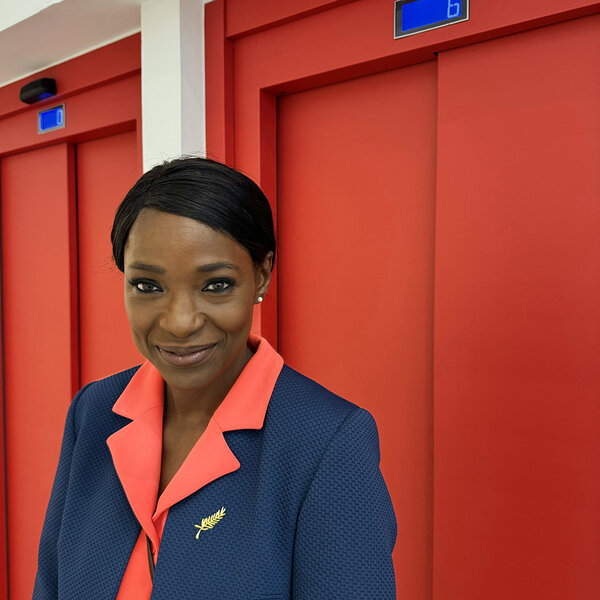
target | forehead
[{"x": 161, "y": 237}]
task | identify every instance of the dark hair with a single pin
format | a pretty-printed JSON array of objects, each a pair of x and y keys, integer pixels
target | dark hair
[{"x": 205, "y": 190}]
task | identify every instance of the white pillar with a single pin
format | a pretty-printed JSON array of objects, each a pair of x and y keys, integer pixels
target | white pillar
[{"x": 173, "y": 101}]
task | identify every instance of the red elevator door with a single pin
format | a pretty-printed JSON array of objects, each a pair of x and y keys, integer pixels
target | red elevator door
[
  {"x": 64, "y": 322},
  {"x": 106, "y": 169},
  {"x": 356, "y": 228}
]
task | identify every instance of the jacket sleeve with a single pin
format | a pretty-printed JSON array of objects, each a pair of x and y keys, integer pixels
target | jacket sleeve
[
  {"x": 346, "y": 528},
  {"x": 46, "y": 579}
]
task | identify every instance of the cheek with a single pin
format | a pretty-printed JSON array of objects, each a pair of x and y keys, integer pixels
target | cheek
[
  {"x": 139, "y": 319},
  {"x": 235, "y": 319}
]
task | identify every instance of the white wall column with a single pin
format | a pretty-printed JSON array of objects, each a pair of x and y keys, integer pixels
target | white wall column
[{"x": 173, "y": 101}]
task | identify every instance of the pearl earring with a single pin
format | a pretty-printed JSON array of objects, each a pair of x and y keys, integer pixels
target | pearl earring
[{"x": 259, "y": 299}]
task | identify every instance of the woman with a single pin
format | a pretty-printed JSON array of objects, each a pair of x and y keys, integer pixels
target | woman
[{"x": 212, "y": 471}]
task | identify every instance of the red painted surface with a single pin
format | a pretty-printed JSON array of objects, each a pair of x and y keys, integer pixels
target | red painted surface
[
  {"x": 356, "y": 39},
  {"x": 3, "y": 536},
  {"x": 59, "y": 191},
  {"x": 106, "y": 110},
  {"x": 112, "y": 62},
  {"x": 219, "y": 92},
  {"x": 515, "y": 305},
  {"x": 243, "y": 18},
  {"x": 40, "y": 351},
  {"x": 517, "y": 420},
  {"x": 356, "y": 232},
  {"x": 106, "y": 169}
]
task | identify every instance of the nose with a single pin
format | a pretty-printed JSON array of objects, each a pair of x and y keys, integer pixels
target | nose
[{"x": 182, "y": 316}]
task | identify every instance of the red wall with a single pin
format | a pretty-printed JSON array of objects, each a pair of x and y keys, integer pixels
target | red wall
[
  {"x": 487, "y": 399},
  {"x": 61, "y": 296}
]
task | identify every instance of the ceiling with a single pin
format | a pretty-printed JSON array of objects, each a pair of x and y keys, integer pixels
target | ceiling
[{"x": 60, "y": 30}]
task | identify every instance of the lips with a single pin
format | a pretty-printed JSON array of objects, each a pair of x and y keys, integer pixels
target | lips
[{"x": 185, "y": 356}]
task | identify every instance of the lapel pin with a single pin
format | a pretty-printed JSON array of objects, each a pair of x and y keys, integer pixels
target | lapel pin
[{"x": 209, "y": 522}]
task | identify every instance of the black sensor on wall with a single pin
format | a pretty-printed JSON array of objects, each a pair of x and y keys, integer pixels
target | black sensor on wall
[{"x": 37, "y": 90}]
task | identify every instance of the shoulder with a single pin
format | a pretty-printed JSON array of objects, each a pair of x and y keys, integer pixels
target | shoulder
[
  {"x": 97, "y": 398},
  {"x": 309, "y": 415},
  {"x": 306, "y": 398}
]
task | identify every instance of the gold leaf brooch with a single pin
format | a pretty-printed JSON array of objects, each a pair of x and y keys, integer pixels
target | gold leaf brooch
[{"x": 209, "y": 522}]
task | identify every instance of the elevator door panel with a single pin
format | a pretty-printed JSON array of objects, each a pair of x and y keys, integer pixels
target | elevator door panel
[
  {"x": 517, "y": 317},
  {"x": 356, "y": 173},
  {"x": 106, "y": 169},
  {"x": 39, "y": 305}
]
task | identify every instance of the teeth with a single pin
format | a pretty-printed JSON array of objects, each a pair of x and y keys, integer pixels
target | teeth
[{"x": 184, "y": 352}]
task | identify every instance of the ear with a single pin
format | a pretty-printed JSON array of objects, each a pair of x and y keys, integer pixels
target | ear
[{"x": 262, "y": 276}]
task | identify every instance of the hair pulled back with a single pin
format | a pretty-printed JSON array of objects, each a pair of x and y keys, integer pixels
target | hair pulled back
[{"x": 204, "y": 190}]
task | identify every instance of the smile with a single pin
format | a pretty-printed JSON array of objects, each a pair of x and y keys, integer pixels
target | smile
[{"x": 185, "y": 356}]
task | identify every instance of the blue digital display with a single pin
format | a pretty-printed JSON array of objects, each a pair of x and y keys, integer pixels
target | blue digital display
[
  {"x": 416, "y": 16},
  {"x": 53, "y": 118}
]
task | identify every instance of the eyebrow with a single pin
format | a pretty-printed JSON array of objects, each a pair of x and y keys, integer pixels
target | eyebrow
[
  {"x": 216, "y": 266},
  {"x": 201, "y": 269}
]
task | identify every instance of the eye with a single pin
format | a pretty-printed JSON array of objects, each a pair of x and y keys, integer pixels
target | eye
[
  {"x": 218, "y": 286},
  {"x": 145, "y": 286}
]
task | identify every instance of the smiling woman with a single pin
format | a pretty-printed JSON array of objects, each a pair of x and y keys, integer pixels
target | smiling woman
[
  {"x": 213, "y": 466},
  {"x": 189, "y": 293}
]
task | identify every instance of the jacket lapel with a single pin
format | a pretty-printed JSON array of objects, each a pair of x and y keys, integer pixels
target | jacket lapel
[{"x": 136, "y": 448}]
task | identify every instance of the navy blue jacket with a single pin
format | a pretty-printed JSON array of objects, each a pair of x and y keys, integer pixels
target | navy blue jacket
[{"x": 308, "y": 512}]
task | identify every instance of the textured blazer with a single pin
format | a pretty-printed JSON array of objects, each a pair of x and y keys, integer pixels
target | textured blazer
[{"x": 308, "y": 513}]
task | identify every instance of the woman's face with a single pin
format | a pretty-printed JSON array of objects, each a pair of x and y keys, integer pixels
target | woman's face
[{"x": 189, "y": 295}]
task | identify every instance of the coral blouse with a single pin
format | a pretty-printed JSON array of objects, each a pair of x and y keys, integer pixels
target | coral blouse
[{"x": 136, "y": 451}]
